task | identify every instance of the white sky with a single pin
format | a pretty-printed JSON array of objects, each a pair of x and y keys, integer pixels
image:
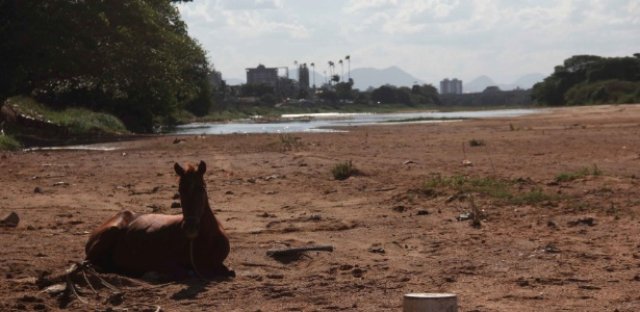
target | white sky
[{"x": 429, "y": 39}]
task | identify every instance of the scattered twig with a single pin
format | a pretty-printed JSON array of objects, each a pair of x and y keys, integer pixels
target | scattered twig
[{"x": 296, "y": 251}]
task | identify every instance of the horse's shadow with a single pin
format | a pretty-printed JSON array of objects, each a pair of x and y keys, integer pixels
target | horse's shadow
[
  {"x": 193, "y": 287},
  {"x": 191, "y": 290}
]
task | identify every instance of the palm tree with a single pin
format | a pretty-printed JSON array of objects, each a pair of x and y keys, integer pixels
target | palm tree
[
  {"x": 341, "y": 69},
  {"x": 313, "y": 68},
  {"x": 331, "y": 68},
  {"x": 348, "y": 58}
]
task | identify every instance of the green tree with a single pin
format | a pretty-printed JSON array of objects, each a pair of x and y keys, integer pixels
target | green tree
[
  {"x": 132, "y": 58},
  {"x": 582, "y": 70}
]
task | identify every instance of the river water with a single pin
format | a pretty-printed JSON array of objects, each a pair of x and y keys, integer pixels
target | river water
[{"x": 333, "y": 122}]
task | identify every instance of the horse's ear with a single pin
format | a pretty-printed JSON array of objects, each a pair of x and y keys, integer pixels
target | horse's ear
[
  {"x": 179, "y": 170},
  {"x": 202, "y": 167}
]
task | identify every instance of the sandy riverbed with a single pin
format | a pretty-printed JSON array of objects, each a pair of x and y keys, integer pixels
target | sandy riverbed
[{"x": 577, "y": 249}]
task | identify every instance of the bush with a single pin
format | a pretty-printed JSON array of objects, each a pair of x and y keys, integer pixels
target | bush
[
  {"x": 604, "y": 92},
  {"x": 343, "y": 170},
  {"x": 75, "y": 120},
  {"x": 574, "y": 175},
  {"x": 8, "y": 143}
]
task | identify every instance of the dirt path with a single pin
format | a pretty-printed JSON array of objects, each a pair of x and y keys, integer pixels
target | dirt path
[{"x": 557, "y": 193}]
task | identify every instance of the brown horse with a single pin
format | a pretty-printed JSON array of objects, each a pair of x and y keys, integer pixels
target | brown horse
[{"x": 171, "y": 245}]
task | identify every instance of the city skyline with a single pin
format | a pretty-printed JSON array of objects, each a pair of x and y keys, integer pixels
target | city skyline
[{"x": 431, "y": 40}]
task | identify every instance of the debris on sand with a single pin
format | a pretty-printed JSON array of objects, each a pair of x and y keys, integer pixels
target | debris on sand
[
  {"x": 11, "y": 220},
  {"x": 290, "y": 254},
  {"x": 590, "y": 221}
]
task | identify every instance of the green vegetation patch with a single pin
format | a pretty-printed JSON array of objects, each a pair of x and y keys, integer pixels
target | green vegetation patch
[
  {"x": 289, "y": 142},
  {"x": 8, "y": 143},
  {"x": 343, "y": 170},
  {"x": 75, "y": 120},
  {"x": 499, "y": 189},
  {"x": 574, "y": 175}
]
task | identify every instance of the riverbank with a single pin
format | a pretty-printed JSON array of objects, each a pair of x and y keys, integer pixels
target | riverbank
[{"x": 555, "y": 195}]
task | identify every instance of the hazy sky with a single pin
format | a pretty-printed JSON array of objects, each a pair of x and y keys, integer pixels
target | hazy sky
[{"x": 429, "y": 39}]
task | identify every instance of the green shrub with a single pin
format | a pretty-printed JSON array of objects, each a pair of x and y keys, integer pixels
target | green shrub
[
  {"x": 8, "y": 143},
  {"x": 584, "y": 172},
  {"x": 76, "y": 120},
  {"x": 343, "y": 170},
  {"x": 289, "y": 142},
  {"x": 499, "y": 189},
  {"x": 604, "y": 92}
]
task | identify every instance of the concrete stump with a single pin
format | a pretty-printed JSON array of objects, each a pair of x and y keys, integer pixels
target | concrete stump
[{"x": 430, "y": 302}]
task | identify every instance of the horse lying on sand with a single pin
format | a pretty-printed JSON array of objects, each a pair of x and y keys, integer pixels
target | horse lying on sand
[{"x": 170, "y": 245}]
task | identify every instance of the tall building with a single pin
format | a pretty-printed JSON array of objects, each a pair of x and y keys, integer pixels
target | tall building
[
  {"x": 453, "y": 86},
  {"x": 262, "y": 75},
  {"x": 303, "y": 76}
]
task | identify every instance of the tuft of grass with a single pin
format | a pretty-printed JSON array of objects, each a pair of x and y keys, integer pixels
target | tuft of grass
[
  {"x": 289, "y": 142},
  {"x": 8, "y": 143},
  {"x": 498, "y": 189},
  {"x": 574, "y": 175},
  {"x": 474, "y": 143},
  {"x": 532, "y": 197},
  {"x": 343, "y": 170}
]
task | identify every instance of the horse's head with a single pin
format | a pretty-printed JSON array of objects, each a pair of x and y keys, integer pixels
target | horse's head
[{"x": 193, "y": 197}]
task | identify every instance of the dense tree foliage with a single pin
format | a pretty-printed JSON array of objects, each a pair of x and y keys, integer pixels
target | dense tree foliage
[
  {"x": 590, "y": 79},
  {"x": 416, "y": 95},
  {"x": 132, "y": 58}
]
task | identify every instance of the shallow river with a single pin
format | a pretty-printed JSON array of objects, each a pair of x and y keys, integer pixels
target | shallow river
[{"x": 331, "y": 122}]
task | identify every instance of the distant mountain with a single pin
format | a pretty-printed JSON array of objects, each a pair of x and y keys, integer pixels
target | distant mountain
[
  {"x": 527, "y": 81},
  {"x": 363, "y": 78},
  {"x": 234, "y": 81},
  {"x": 479, "y": 84}
]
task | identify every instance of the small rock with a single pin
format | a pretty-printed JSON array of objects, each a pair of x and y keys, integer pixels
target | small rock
[
  {"x": 154, "y": 207},
  {"x": 266, "y": 215},
  {"x": 464, "y": 216},
  {"x": 467, "y": 163},
  {"x": 376, "y": 249},
  {"x": 399, "y": 208},
  {"x": 176, "y": 196},
  {"x": 315, "y": 217},
  {"x": 11, "y": 220},
  {"x": 551, "y": 248},
  {"x": 178, "y": 141},
  {"x": 176, "y": 205},
  {"x": 60, "y": 183},
  {"x": 408, "y": 162},
  {"x": 357, "y": 272},
  {"x": 637, "y": 278},
  {"x": 251, "y": 180},
  {"x": 37, "y": 190},
  {"x": 275, "y": 276},
  {"x": 422, "y": 212},
  {"x": 228, "y": 193},
  {"x": 552, "y": 224},
  {"x": 590, "y": 221},
  {"x": 346, "y": 267}
]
